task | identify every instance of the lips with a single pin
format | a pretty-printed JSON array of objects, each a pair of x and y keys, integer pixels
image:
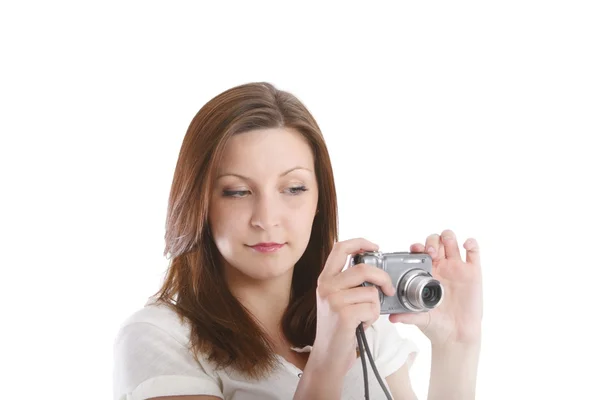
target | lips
[{"x": 267, "y": 247}]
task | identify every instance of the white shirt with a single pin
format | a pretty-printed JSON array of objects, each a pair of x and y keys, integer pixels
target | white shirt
[{"x": 151, "y": 359}]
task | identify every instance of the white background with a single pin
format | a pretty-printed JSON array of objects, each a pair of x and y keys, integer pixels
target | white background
[{"x": 480, "y": 117}]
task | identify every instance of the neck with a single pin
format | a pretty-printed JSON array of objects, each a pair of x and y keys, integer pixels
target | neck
[{"x": 266, "y": 300}]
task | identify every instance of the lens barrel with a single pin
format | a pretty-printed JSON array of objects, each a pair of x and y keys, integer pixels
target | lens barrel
[{"x": 419, "y": 291}]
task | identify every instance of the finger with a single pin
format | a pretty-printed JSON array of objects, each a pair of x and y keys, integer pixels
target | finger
[
  {"x": 361, "y": 273},
  {"x": 340, "y": 252},
  {"x": 472, "y": 247},
  {"x": 420, "y": 320},
  {"x": 434, "y": 247},
  {"x": 450, "y": 245},
  {"x": 417, "y": 248},
  {"x": 356, "y": 295}
]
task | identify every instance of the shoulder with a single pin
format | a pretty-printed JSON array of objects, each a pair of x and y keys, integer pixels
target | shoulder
[
  {"x": 155, "y": 319},
  {"x": 152, "y": 357}
]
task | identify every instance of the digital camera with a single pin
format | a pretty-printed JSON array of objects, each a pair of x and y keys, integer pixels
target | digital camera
[{"x": 416, "y": 289}]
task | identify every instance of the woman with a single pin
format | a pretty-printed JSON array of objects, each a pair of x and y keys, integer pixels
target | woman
[{"x": 257, "y": 303}]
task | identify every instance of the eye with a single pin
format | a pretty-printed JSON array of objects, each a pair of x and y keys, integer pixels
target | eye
[
  {"x": 296, "y": 190},
  {"x": 235, "y": 193}
]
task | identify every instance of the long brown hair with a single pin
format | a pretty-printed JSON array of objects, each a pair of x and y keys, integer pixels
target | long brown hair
[{"x": 221, "y": 328}]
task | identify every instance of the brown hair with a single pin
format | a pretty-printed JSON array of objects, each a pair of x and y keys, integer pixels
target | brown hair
[{"x": 221, "y": 328}]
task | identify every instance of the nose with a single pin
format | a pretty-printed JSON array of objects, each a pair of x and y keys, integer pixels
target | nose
[{"x": 266, "y": 212}]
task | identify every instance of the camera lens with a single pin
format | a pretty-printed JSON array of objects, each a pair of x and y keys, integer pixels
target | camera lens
[
  {"x": 419, "y": 291},
  {"x": 432, "y": 293}
]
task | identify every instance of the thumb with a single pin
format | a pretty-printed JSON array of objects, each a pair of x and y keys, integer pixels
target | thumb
[{"x": 420, "y": 320}]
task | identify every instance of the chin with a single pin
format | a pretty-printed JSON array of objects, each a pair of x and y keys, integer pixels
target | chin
[
  {"x": 265, "y": 272},
  {"x": 267, "y": 266}
]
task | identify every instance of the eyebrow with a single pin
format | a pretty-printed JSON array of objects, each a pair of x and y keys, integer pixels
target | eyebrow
[{"x": 249, "y": 179}]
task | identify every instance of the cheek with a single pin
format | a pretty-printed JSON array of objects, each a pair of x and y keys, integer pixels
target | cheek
[
  {"x": 304, "y": 215},
  {"x": 223, "y": 222},
  {"x": 302, "y": 221}
]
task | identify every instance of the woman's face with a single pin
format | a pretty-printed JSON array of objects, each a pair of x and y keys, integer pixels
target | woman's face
[{"x": 265, "y": 193}]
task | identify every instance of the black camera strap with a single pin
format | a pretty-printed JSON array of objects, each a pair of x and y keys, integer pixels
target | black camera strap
[{"x": 362, "y": 346}]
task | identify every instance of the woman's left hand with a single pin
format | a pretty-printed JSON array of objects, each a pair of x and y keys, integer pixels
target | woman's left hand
[{"x": 458, "y": 318}]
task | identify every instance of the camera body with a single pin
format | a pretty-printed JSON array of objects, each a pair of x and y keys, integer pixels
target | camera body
[{"x": 416, "y": 289}]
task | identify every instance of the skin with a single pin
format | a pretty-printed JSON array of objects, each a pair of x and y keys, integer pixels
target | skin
[
  {"x": 270, "y": 204},
  {"x": 266, "y": 191},
  {"x": 458, "y": 318}
]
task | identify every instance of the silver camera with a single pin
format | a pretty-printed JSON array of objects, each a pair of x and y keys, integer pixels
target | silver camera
[{"x": 416, "y": 289}]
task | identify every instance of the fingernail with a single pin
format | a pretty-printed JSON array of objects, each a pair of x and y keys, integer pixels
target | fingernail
[
  {"x": 431, "y": 250},
  {"x": 446, "y": 238}
]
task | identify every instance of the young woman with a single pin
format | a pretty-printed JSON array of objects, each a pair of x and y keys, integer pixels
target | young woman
[{"x": 257, "y": 303}]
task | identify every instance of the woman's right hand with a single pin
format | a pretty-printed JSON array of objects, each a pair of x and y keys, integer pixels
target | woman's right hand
[{"x": 343, "y": 304}]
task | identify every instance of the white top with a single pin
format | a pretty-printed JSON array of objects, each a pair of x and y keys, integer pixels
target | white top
[{"x": 151, "y": 359}]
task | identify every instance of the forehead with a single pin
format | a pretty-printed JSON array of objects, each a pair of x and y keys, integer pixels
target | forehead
[{"x": 264, "y": 151}]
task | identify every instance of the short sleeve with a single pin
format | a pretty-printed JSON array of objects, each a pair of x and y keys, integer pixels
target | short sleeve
[
  {"x": 391, "y": 350},
  {"x": 149, "y": 362}
]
